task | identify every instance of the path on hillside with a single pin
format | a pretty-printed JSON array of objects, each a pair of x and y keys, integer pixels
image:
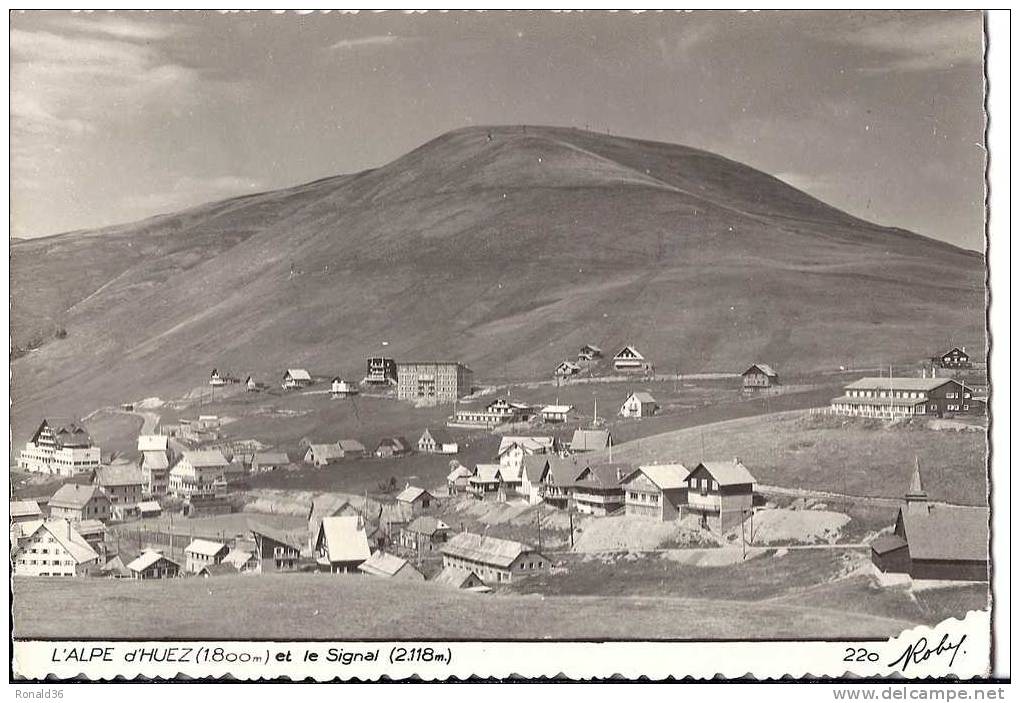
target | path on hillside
[{"x": 880, "y": 501}]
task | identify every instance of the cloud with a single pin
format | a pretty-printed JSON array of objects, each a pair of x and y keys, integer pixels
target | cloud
[
  {"x": 130, "y": 27},
  {"x": 934, "y": 41},
  {"x": 363, "y": 42}
]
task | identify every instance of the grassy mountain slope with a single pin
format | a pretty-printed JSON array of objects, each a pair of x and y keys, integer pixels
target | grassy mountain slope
[{"x": 507, "y": 252}]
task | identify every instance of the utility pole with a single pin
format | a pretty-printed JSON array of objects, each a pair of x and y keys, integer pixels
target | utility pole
[
  {"x": 538, "y": 516},
  {"x": 570, "y": 515}
]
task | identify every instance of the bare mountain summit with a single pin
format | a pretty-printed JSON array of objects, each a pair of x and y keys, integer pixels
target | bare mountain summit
[{"x": 504, "y": 247}]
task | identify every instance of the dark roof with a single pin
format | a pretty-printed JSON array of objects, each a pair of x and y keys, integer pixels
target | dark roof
[
  {"x": 426, "y": 525},
  {"x": 884, "y": 544},
  {"x": 271, "y": 458},
  {"x": 534, "y": 465},
  {"x": 218, "y": 569},
  {"x": 563, "y": 470},
  {"x": 947, "y": 532},
  {"x": 762, "y": 368},
  {"x": 399, "y": 443},
  {"x": 590, "y": 440},
  {"x": 274, "y": 534},
  {"x": 66, "y": 431},
  {"x": 602, "y": 475}
]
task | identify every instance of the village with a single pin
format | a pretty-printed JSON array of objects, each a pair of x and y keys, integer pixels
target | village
[{"x": 553, "y": 487}]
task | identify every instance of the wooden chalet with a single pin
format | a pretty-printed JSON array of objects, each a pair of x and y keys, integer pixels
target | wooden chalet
[
  {"x": 151, "y": 564},
  {"x": 639, "y": 404},
  {"x": 759, "y": 377},
  {"x": 597, "y": 489},
  {"x": 342, "y": 544},
  {"x": 296, "y": 378},
  {"x": 492, "y": 560},
  {"x": 721, "y": 493},
  {"x": 275, "y": 550},
  {"x": 656, "y": 490},
  {"x": 436, "y": 441},
  {"x": 390, "y": 566},
  {"x": 630, "y": 360}
]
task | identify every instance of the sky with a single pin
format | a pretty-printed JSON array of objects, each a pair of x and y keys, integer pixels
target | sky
[{"x": 119, "y": 116}]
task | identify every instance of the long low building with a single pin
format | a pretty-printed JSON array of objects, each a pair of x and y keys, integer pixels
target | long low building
[
  {"x": 493, "y": 560},
  {"x": 905, "y": 397}
]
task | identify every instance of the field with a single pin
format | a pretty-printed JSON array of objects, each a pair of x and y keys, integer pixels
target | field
[
  {"x": 354, "y": 607},
  {"x": 828, "y": 453}
]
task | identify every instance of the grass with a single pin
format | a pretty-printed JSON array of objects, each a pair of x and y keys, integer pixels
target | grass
[
  {"x": 285, "y": 606},
  {"x": 842, "y": 455}
]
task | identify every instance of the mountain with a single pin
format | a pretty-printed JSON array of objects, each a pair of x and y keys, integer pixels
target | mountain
[{"x": 504, "y": 247}]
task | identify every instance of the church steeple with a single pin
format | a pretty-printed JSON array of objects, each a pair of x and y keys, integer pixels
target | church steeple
[{"x": 917, "y": 499}]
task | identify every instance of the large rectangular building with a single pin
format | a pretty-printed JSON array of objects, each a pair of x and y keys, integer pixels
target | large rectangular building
[
  {"x": 905, "y": 397},
  {"x": 432, "y": 382},
  {"x": 60, "y": 447}
]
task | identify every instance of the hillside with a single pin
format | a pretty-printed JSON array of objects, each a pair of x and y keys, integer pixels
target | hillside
[{"x": 507, "y": 253}]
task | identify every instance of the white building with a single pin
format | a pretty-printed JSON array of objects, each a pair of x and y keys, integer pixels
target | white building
[
  {"x": 60, "y": 447},
  {"x": 52, "y": 548},
  {"x": 199, "y": 471}
]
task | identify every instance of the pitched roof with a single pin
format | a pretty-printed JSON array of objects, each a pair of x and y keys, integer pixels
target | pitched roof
[
  {"x": 25, "y": 508},
  {"x": 399, "y": 443},
  {"x": 327, "y": 451},
  {"x": 602, "y": 475},
  {"x": 589, "y": 440},
  {"x": 75, "y": 495},
  {"x": 457, "y": 578},
  {"x": 345, "y": 538},
  {"x": 486, "y": 473},
  {"x": 237, "y": 558},
  {"x": 642, "y": 397},
  {"x": 205, "y": 547},
  {"x": 153, "y": 442},
  {"x": 949, "y": 532},
  {"x": 271, "y": 458},
  {"x": 351, "y": 445},
  {"x": 528, "y": 444},
  {"x": 903, "y": 383},
  {"x": 119, "y": 475},
  {"x": 147, "y": 559},
  {"x": 66, "y": 432},
  {"x": 205, "y": 458},
  {"x": 411, "y": 494},
  {"x": 728, "y": 473},
  {"x": 150, "y": 506},
  {"x": 439, "y": 435},
  {"x": 665, "y": 476},
  {"x": 534, "y": 466},
  {"x": 556, "y": 409},
  {"x": 299, "y": 374},
  {"x": 383, "y": 564},
  {"x": 427, "y": 525},
  {"x": 460, "y": 472},
  {"x": 67, "y": 537},
  {"x": 887, "y": 543},
  {"x": 632, "y": 353},
  {"x": 563, "y": 470},
  {"x": 763, "y": 368},
  {"x": 155, "y": 460},
  {"x": 220, "y": 569},
  {"x": 115, "y": 565},
  {"x": 90, "y": 527},
  {"x": 281, "y": 536},
  {"x": 846, "y": 399},
  {"x": 484, "y": 549}
]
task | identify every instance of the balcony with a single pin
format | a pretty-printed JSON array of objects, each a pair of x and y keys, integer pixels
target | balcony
[{"x": 697, "y": 501}]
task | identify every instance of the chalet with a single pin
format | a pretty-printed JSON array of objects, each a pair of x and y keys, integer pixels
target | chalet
[
  {"x": 275, "y": 550},
  {"x": 499, "y": 412},
  {"x": 436, "y": 441},
  {"x": 25, "y": 511},
  {"x": 153, "y": 565},
  {"x": 759, "y": 377},
  {"x": 513, "y": 450},
  {"x": 264, "y": 462},
  {"x": 214, "y": 570},
  {"x": 487, "y": 483},
  {"x": 417, "y": 498},
  {"x": 328, "y": 506},
  {"x": 555, "y": 413},
  {"x": 202, "y": 552},
  {"x": 566, "y": 369},
  {"x": 149, "y": 508},
  {"x": 351, "y": 449},
  {"x": 123, "y": 484},
  {"x": 424, "y": 534},
  {"x": 198, "y": 472},
  {"x": 59, "y": 447},
  {"x": 215, "y": 379},
  {"x": 114, "y": 568},
  {"x": 77, "y": 502},
  {"x": 241, "y": 560},
  {"x": 52, "y": 548},
  {"x": 656, "y": 490},
  {"x": 296, "y": 378},
  {"x": 955, "y": 358},
  {"x": 630, "y": 360},
  {"x": 93, "y": 532},
  {"x": 639, "y": 404},
  {"x": 597, "y": 489},
  {"x": 341, "y": 545},
  {"x": 590, "y": 441},
  {"x": 589, "y": 352},
  {"x": 461, "y": 579},
  {"x": 492, "y": 560},
  {"x": 251, "y": 385},
  {"x": 557, "y": 480},
  {"x": 931, "y": 541},
  {"x": 390, "y": 566},
  {"x": 155, "y": 473},
  {"x": 322, "y": 455},
  {"x": 721, "y": 493},
  {"x": 339, "y": 388},
  {"x": 905, "y": 397},
  {"x": 532, "y": 469},
  {"x": 458, "y": 480},
  {"x": 381, "y": 371},
  {"x": 433, "y": 382},
  {"x": 392, "y": 446}
]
